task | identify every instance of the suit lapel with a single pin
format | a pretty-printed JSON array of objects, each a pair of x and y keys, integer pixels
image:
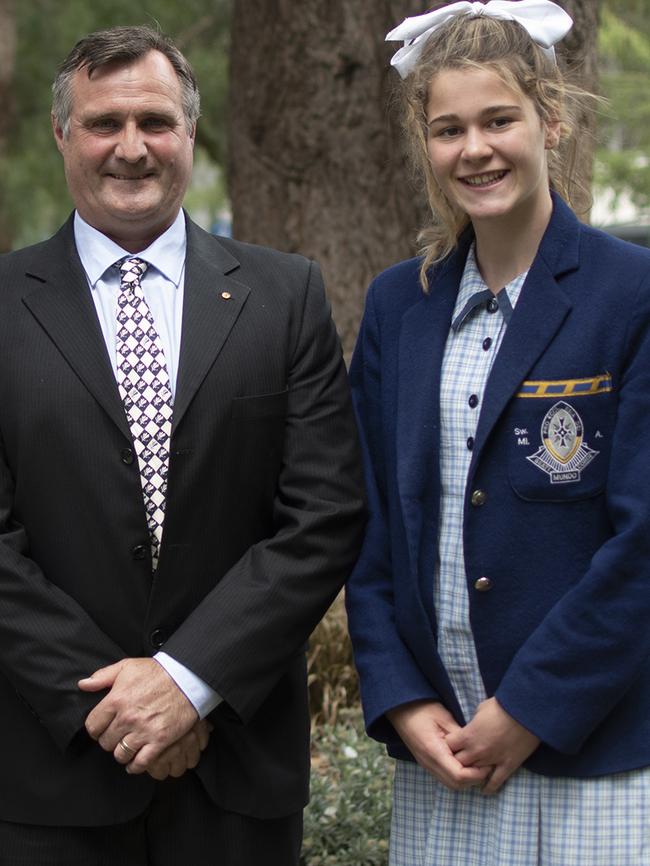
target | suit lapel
[
  {"x": 212, "y": 302},
  {"x": 538, "y": 315},
  {"x": 58, "y": 296}
]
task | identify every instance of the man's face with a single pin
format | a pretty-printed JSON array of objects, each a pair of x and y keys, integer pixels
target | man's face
[{"x": 128, "y": 153}]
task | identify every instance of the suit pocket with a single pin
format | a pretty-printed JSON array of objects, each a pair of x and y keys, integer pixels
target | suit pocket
[
  {"x": 260, "y": 406},
  {"x": 561, "y": 440}
]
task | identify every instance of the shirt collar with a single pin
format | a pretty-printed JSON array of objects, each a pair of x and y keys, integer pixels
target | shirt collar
[
  {"x": 472, "y": 282},
  {"x": 98, "y": 252}
]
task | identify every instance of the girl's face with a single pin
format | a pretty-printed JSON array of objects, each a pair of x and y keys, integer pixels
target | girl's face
[{"x": 487, "y": 146}]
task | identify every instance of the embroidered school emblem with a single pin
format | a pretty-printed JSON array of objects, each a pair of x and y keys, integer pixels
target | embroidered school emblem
[{"x": 563, "y": 454}]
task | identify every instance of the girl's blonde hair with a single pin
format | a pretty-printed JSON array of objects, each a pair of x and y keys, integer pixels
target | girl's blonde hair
[{"x": 505, "y": 48}]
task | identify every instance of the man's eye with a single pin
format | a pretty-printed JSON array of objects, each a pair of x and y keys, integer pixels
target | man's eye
[
  {"x": 104, "y": 124},
  {"x": 155, "y": 123}
]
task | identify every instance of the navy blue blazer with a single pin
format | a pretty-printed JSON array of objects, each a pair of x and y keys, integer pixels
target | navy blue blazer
[{"x": 562, "y": 530}]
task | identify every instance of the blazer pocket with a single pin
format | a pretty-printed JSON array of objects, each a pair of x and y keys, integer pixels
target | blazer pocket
[
  {"x": 560, "y": 445},
  {"x": 260, "y": 406}
]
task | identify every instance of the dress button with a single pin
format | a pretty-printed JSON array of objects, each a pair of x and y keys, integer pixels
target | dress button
[
  {"x": 479, "y": 497},
  {"x": 487, "y": 342},
  {"x": 470, "y": 443},
  {"x": 139, "y": 552},
  {"x": 157, "y": 638},
  {"x": 483, "y": 584},
  {"x": 473, "y": 401},
  {"x": 492, "y": 305},
  {"x": 127, "y": 456}
]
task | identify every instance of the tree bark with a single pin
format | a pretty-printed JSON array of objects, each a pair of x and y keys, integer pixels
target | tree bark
[
  {"x": 316, "y": 158},
  {"x": 316, "y": 161},
  {"x": 7, "y": 60},
  {"x": 581, "y": 47}
]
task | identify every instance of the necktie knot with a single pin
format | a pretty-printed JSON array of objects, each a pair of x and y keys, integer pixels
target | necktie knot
[{"x": 132, "y": 269}]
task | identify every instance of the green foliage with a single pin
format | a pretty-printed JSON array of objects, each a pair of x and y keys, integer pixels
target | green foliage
[
  {"x": 622, "y": 161},
  {"x": 33, "y": 187},
  {"x": 348, "y": 819},
  {"x": 333, "y": 683}
]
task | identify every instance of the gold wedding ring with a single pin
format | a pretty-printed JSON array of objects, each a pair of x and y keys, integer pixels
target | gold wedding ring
[{"x": 126, "y": 748}]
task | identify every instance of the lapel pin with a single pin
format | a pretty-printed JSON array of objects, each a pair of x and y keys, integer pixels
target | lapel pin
[{"x": 226, "y": 296}]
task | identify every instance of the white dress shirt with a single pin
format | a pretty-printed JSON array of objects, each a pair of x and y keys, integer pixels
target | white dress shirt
[{"x": 163, "y": 286}]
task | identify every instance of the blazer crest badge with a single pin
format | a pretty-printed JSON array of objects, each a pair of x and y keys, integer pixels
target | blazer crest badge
[{"x": 563, "y": 454}]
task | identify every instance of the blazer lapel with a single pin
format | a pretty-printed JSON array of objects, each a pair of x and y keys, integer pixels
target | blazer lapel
[
  {"x": 59, "y": 298},
  {"x": 212, "y": 302},
  {"x": 422, "y": 342},
  {"x": 538, "y": 315}
]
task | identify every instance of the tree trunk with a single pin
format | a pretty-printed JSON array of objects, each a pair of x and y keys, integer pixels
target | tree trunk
[
  {"x": 316, "y": 162},
  {"x": 7, "y": 58},
  {"x": 316, "y": 159},
  {"x": 581, "y": 46}
]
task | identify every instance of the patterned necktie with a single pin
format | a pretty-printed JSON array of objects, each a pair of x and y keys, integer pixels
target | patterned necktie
[{"x": 144, "y": 387}]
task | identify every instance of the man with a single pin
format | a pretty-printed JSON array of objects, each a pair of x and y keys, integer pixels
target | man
[{"x": 179, "y": 478}]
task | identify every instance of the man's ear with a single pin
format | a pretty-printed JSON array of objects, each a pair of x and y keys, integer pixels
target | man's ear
[{"x": 58, "y": 133}]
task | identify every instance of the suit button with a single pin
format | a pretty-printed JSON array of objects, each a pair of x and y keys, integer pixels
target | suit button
[
  {"x": 479, "y": 497},
  {"x": 483, "y": 584},
  {"x": 127, "y": 456},
  {"x": 139, "y": 552},
  {"x": 157, "y": 638}
]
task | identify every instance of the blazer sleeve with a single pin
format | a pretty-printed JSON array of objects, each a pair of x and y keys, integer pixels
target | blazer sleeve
[
  {"x": 389, "y": 674},
  {"x": 595, "y": 642},
  {"x": 47, "y": 641},
  {"x": 243, "y": 635}
]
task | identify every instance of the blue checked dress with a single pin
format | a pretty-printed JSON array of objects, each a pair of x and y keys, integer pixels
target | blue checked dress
[{"x": 534, "y": 820}]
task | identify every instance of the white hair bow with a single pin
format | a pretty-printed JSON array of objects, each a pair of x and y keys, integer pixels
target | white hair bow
[{"x": 545, "y": 21}]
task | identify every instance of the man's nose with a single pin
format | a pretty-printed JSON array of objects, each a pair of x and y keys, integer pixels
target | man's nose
[{"x": 131, "y": 145}]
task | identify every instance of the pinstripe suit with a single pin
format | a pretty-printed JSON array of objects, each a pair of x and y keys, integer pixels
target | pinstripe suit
[{"x": 264, "y": 514}]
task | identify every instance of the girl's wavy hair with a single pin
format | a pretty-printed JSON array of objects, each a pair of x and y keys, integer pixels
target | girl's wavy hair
[{"x": 505, "y": 48}]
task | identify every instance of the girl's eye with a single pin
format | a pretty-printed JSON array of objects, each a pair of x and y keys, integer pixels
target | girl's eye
[
  {"x": 448, "y": 132},
  {"x": 500, "y": 122}
]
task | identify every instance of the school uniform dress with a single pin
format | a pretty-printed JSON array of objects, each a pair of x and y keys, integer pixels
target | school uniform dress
[{"x": 427, "y": 623}]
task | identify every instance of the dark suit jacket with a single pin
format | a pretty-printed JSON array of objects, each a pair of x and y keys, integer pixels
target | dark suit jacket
[
  {"x": 563, "y": 635},
  {"x": 263, "y": 522}
]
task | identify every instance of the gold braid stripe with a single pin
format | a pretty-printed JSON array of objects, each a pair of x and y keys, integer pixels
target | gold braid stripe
[{"x": 567, "y": 387}]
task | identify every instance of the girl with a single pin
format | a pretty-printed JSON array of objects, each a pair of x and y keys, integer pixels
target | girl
[{"x": 500, "y": 608}]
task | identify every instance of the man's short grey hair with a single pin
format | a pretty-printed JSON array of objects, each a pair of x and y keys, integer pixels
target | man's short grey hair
[{"x": 121, "y": 45}]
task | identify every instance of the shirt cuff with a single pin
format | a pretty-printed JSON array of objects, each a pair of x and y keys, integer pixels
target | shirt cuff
[{"x": 202, "y": 697}]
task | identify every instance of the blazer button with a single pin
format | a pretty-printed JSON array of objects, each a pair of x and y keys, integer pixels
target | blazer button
[
  {"x": 483, "y": 584},
  {"x": 127, "y": 456},
  {"x": 157, "y": 638},
  {"x": 479, "y": 497},
  {"x": 139, "y": 552}
]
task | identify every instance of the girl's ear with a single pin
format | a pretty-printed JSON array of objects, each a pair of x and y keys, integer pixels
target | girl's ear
[{"x": 552, "y": 134}]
